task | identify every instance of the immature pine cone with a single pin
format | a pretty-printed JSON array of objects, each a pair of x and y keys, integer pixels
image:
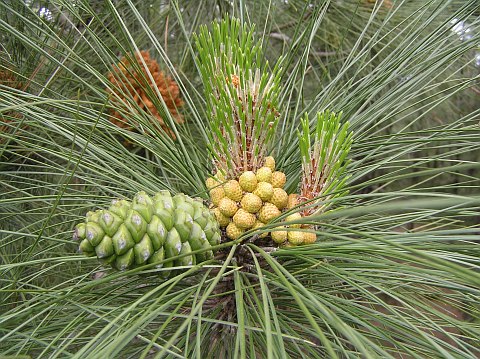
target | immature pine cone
[{"x": 150, "y": 230}]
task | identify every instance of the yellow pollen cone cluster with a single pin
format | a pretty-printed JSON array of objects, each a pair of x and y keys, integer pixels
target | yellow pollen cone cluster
[
  {"x": 249, "y": 201},
  {"x": 297, "y": 234},
  {"x": 253, "y": 200}
]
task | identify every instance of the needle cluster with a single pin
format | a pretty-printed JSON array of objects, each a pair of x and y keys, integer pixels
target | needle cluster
[
  {"x": 324, "y": 161},
  {"x": 242, "y": 96}
]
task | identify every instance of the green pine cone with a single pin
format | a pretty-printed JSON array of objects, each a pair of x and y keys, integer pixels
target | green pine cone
[{"x": 150, "y": 230}]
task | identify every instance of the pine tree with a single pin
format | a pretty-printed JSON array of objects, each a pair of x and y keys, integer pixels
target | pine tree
[{"x": 344, "y": 135}]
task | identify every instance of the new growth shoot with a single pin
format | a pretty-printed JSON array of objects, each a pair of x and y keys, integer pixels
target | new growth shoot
[
  {"x": 242, "y": 96},
  {"x": 323, "y": 161}
]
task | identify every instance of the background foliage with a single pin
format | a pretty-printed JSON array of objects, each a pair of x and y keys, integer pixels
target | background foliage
[{"x": 394, "y": 272}]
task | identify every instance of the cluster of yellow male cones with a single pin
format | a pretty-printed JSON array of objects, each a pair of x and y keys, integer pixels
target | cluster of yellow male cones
[{"x": 253, "y": 200}]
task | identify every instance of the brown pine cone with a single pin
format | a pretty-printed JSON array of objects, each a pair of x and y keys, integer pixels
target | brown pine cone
[
  {"x": 8, "y": 78},
  {"x": 126, "y": 79}
]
